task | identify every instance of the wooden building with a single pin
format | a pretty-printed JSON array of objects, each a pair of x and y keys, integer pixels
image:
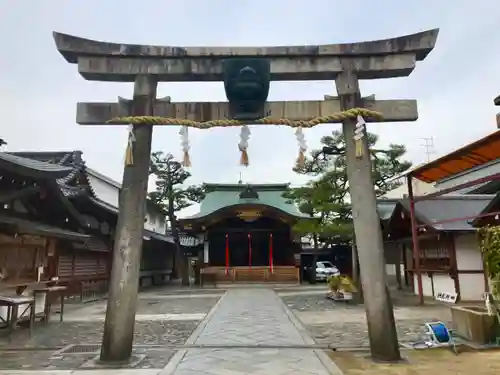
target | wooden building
[
  {"x": 36, "y": 219},
  {"x": 458, "y": 198},
  {"x": 450, "y": 260},
  {"x": 36, "y": 226},
  {"x": 247, "y": 233},
  {"x": 490, "y": 215},
  {"x": 85, "y": 202}
]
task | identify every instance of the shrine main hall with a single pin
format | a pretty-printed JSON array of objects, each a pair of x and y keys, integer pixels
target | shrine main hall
[{"x": 247, "y": 233}]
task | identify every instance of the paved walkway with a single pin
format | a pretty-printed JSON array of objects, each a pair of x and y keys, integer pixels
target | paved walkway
[{"x": 250, "y": 331}]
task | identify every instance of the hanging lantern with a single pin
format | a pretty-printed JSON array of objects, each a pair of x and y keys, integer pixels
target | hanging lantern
[
  {"x": 129, "y": 155},
  {"x": 359, "y": 133},
  {"x": 301, "y": 159},
  {"x": 184, "y": 133},
  {"x": 243, "y": 145}
]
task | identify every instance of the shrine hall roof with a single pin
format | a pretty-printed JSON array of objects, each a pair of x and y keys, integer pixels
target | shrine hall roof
[
  {"x": 33, "y": 168},
  {"x": 220, "y": 196}
]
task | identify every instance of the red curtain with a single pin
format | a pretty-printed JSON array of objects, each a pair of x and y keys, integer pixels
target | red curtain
[
  {"x": 271, "y": 252},
  {"x": 227, "y": 254},
  {"x": 249, "y": 250}
]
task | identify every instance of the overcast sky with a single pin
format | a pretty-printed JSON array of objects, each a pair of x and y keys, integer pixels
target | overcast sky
[{"x": 454, "y": 86}]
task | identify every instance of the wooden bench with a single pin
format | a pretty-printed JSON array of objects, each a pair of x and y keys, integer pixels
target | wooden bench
[
  {"x": 152, "y": 274},
  {"x": 13, "y": 317}
]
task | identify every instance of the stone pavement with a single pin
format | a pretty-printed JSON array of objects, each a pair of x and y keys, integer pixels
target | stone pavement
[{"x": 250, "y": 331}]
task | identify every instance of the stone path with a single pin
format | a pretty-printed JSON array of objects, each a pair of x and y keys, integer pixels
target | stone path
[{"x": 250, "y": 331}]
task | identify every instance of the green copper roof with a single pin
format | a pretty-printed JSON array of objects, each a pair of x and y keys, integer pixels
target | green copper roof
[{"x": 221, "y": 196}]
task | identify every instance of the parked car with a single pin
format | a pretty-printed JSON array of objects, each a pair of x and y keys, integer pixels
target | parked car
[{"x": 324, "y": 269}]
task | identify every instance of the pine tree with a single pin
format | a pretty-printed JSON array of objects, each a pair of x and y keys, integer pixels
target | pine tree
[{"x": 171, "y": 196}]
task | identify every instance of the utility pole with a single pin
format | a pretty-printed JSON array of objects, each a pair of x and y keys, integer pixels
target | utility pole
[
  {"x": 124, "y": 283},
  {"x": 379, "y": 310}
]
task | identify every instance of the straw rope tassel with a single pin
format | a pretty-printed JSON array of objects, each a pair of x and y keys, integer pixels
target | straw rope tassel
[
  {"x": 301, "y": 159},
  {"x": 359, "y": 134},
  {"x": 129, "y": 152},
  {"x": 186, "y": 160},
  {"x": 243, "y": 145},
  {"x": 244, "y": 157},
  {"x": 359, "y": 149},
  {"x": 184, "y": 133}
]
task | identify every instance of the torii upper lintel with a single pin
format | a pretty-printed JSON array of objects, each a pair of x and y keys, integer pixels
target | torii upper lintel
[{"x": 420, "y": 44}]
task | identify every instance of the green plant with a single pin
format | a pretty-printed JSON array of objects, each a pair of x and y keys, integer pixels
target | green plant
[
  {"x": 325, "y": 198},
  {"x": 334, "y": 283},
  {"x": 341, "y": 283},
  {"x": 347, "y": 285},
  {"x": 489, "y": 243}
]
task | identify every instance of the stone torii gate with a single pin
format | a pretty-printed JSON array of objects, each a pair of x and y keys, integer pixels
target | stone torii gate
[{"x": 145, "y": 65}]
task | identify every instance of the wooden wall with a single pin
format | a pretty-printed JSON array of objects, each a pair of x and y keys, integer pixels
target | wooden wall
[{"x": 22, "y": 257}]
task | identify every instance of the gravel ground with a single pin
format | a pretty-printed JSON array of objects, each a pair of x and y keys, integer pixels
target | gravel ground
[
  {"x": 344, "y": 325},
  {"x": 55, "y": 335},
  {"x": 318, "y": 302},
  {"x": 355, "y": 335},
  {"x": 186, "y": 291},
  {"x": 148, "y": 305},
  {"x": 313, "y": 302},
  {"x": 41, "y": 360}
]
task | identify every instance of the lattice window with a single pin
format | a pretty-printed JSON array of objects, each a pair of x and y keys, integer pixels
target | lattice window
[{"x": 435, "y": 255}]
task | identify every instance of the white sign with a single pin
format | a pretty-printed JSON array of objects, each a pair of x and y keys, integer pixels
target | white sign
[{"x": 446, "y": 297}]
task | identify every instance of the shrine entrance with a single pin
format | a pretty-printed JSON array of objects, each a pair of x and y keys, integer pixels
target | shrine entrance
[
  {"x": 247, "y": 233},
  {"x": 264, "y": 242}
]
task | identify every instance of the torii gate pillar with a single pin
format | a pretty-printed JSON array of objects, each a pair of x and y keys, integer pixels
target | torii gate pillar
[
  {"x": 123, "y": 287},
  {"x": 378, "y": 304}
]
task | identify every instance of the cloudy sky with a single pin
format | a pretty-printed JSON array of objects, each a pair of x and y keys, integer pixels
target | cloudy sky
[{"x": 455, "y": 86}]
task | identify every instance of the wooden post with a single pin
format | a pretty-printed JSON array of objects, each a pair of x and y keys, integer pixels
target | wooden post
[
  {"x": 415, "y": 244},
  {"x": 120, "y": 313},
  {"x": 397, "y": 265},
  {"x": 405, "y": 264},
  {"x": 452, "y": 251},
  {"x": 379, "y": 311},
  {"x": 199, "y": 265}
]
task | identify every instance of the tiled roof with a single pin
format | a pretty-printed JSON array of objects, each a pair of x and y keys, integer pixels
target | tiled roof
[
  {"x": 221, "y": 196},
  {"x": 32, "y": 227},
  {"x": 62, "y": 159},
  {"x": 33, "y": 168},
  {"x": 450, "y": 207},
  {"x": 385, "y": 208}
]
